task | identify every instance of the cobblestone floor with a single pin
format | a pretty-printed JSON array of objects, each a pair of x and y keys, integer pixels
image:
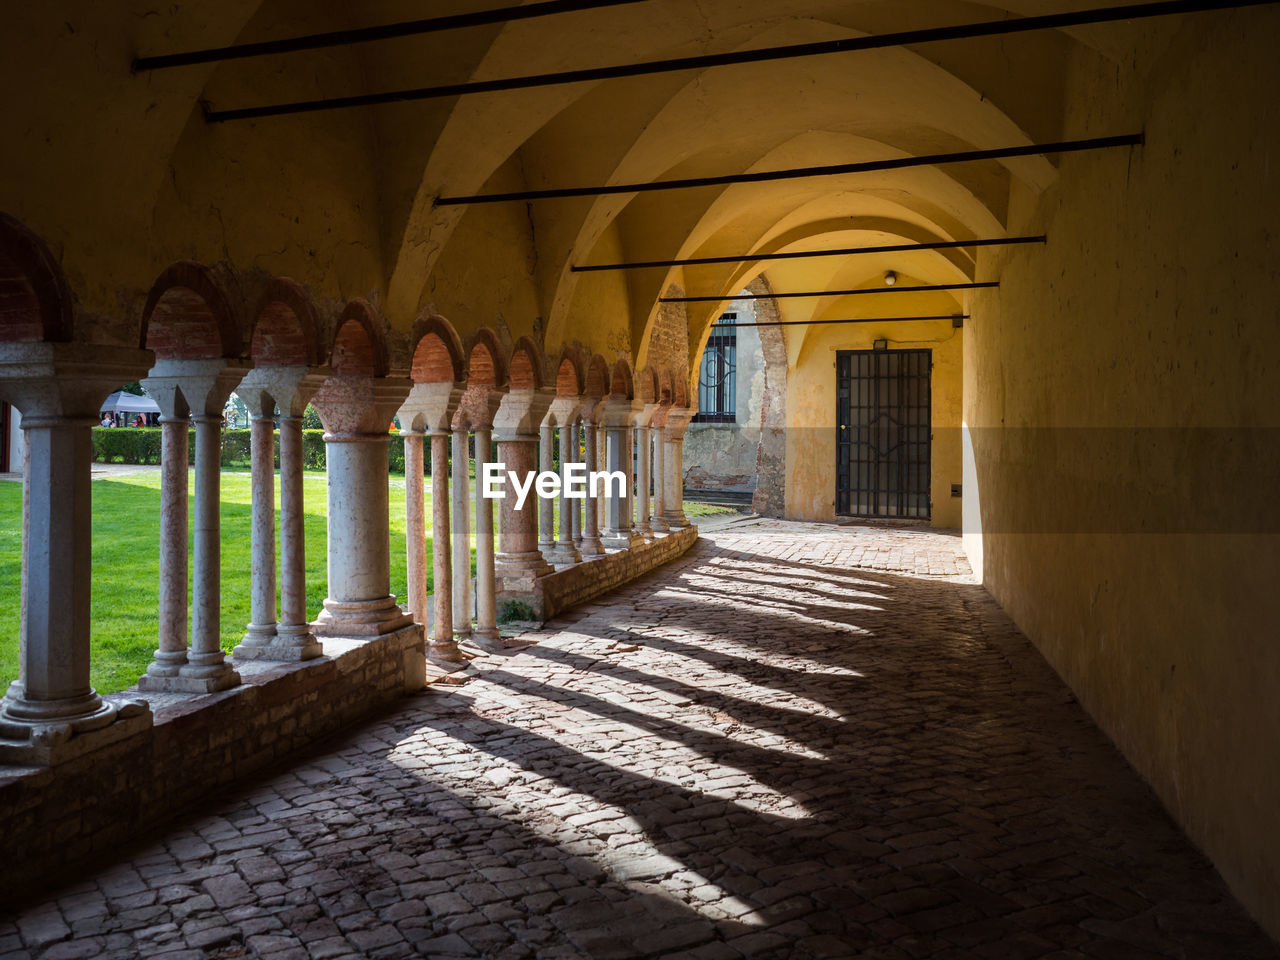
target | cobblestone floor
[{"x": 778, "y": 746}]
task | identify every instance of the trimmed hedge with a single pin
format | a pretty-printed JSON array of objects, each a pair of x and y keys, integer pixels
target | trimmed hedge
[{"x": 142, "y": 445}]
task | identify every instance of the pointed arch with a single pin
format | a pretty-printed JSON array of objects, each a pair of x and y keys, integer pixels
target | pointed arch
[
  {"x": 285, "y": 330},
  {"x": 570, "y": 377},
  {"x": 188, "y": 315},
  {"x": 358, "y": 346},
  {"x": 621, "y": 381},
  {"x": 525, "y": 370},
  {"x": 484, "y": 360},
  {"x": 437, "y": 355},
  {"x": 35, "y": 302}
]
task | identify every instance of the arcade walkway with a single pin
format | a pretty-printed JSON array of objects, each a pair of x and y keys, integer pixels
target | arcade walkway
[{"x": 798, "y": 741}]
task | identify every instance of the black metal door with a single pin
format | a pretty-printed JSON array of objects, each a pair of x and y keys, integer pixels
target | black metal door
[{"x": 882, "y": 432}]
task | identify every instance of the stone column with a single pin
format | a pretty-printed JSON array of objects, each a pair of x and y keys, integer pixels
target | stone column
[
  {"x": 415, "y": 525},
  {"x": 546, "y": 507},
  {"x": 461, "y": 533},
  {"x": 51, "y": 712},
  {"x": 617, "y": 415},
  {"x": 263, "y": 390},
  {"x": 575, "y": 513},
  {"x": 203, "y": 386},
  {"x": 206, "y": 663},
  {"x": 520, "y": 561},
  {"x": 441, "y": 647},
  {"x": 642, "y": 483},
  {"x": 355, "y": 412},
  {"x": 591, "y": 546},
  {"x": 429, "y": 409},
  {"x": 172, "y": 612},
  {"x": 486, "y": 628},
  {"x": 673, "y": 489},
  {"x": 566, "y": 552},
  {"x": 657, "y": 427},
  {"x": 262, "y": 563},
  {"x": 295, "y": 641}
]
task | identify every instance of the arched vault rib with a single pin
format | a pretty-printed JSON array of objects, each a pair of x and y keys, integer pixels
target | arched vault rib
[{"x": 483, "y": 132}]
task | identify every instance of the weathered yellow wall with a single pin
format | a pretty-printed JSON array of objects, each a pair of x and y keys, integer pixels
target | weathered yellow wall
[
  {"x": 1140, "y": 555},
  {"x": 811, "y": 399}
]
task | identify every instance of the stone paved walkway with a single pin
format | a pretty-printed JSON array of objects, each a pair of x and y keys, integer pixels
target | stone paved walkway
[{"x": 764, "y": 750}]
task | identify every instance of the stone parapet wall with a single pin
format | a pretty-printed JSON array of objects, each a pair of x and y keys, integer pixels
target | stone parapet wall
[
  {"x": 56, "y": 817},
  {"x": 589, "y": 579}
]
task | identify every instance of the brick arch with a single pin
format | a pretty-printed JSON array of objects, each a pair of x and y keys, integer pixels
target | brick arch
[
  {"x": 188, "y": 316},
  {"x": 284, "y": 327},
  {"x": 484, "y": 360},
  {"x": 358, "y": 348},
  {"x": 526, "y": 367},
  {"x": 666, "y": 391},
  {"x": 621, "y": 381},
  {"x": 596, "y": 382},
  {"x": 438, "y": 356},
  {"x": 680, "y": 397},
  {"x": 570, "y": 381},
  {"x": 647, "y": 386},
  {"x": 35, "y": 303}
]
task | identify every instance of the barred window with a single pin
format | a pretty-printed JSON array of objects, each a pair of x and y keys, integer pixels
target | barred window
[{"x": 717, "y": 379}]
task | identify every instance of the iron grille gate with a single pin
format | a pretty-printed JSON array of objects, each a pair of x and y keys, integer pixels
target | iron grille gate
[{"x": 883, "y": 432}]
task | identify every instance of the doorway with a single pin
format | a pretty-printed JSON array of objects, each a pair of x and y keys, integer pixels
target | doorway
[{"x": 883, "y": 433}]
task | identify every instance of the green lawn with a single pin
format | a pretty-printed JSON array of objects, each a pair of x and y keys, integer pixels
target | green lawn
[{"x": 126, "y": 566}]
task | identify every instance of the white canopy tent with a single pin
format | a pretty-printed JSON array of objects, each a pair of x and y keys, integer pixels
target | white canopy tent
[{"x": 121, "y": 402}]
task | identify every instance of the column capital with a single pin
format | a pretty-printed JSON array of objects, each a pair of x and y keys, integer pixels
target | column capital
[
  {"x": 477, "y": 408},
  {"x": 429, "y": 407},
  {"x": 521, "y": 413},
  {"x": 564, "y": 411},
  {"x": 200, "y": 386},
  {"x": 65, "y": 380},
  {"x": 676, "y": 422},
  {"x": 643, "y": 416},
  {"x": 592, "y": 410},
  {"x": 288, "y": 388},
  {"x": 359, "y": 405},
  {"x": 619, "y": 411}
]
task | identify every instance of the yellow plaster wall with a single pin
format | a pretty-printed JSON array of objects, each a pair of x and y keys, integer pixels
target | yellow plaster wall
[
  {"x": 811, "y": 399},
  {"x": 1122, "y": 393}
]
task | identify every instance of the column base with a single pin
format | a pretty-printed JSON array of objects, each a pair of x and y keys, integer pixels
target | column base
[
  {"x": 487, "y": 639},
  {"x": 193, "y": 679},
  {"x": 445, "y": 653},
  {"x": 591, "y": 547},
  {"x": 676, "y": 521},
  {"x": 360, "y": 618},
  {"x": 658, "y": 525},
  {"x": 564, "y": 553},
  {"x": 285, "y": 649},
  {"x": 46, "y": 743},
  {"x": 645, "y": 531},
  {"x": 621, "y": 539},
  {"x": 520, "y": 566}
]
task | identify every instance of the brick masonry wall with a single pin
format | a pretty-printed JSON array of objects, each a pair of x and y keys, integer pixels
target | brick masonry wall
[
  {"x": 54, "y": 818},
  {"x": 584, "y": 581}
]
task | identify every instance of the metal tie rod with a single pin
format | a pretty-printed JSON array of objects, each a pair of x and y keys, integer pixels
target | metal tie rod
[
  {"x": 814, "y": 323},
  {"x": 801, "y": 254},
  {"x": 342, "y": 38},
  {"x": 992, "y": 28},
  {"x": 800, "y": 173},
  {"x": 834, "y": 293}
]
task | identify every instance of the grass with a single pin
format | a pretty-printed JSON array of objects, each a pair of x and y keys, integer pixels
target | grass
[{"x": 126, "y": 566}]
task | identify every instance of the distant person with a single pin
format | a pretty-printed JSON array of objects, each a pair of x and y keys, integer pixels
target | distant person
[
  {"x": 142, "y": 421},
  {"x": 107, "y": 421}
]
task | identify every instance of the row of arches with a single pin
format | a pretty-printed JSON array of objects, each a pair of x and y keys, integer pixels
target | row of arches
[
  {"x": 191, "y": 315},
  {"x": 206, "y": 331}
]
